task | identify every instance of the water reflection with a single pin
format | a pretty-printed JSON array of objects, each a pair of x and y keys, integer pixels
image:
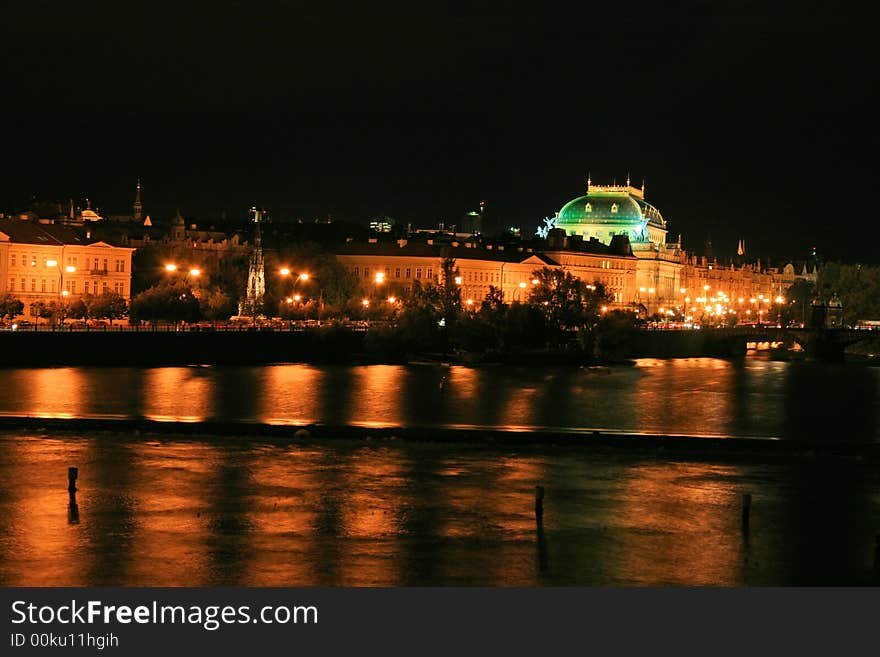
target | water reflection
[
  {"x": 201, "y": 513},
  {"x": 290, "y": 394},
  {"x": 751, "y": 398}
]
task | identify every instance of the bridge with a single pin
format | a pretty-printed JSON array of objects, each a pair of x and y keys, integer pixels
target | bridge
[{"x": 826, "y": 344}]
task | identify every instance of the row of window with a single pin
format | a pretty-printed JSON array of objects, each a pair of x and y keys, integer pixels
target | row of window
[
  {"x": 91, "y": 287},
  {"x": 98, "y": 264},
  {"x": 407, "y": 272}
]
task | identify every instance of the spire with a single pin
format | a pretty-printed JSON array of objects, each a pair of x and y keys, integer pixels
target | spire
[
  {"x": 643, "y": 187},
  {"x": 739, "y": 249},
  {"x": 589, "y": 182},
  {"x": 138, "y": 207},
  {"x": 627, "y": 178}
]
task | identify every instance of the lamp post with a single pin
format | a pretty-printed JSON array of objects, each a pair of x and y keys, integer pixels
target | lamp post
[
  {"x": 302, "y": 276},
  {"x": 62, "y": 293}
]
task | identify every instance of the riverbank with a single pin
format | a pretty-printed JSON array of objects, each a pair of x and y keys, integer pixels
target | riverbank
[{"x": 328, "y": 344}]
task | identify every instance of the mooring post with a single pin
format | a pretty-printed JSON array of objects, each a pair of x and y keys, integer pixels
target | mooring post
[
  {"x": 72, "y": 474},
  {"x": 72, "y": 508},
  {"x": 539, "y": 503},
  {"x": 746, "y": 508}
]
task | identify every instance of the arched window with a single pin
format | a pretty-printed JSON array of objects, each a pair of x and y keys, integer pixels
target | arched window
[
  {"x": 588, "y": 207},
  {"x": 614, "y": 208}
]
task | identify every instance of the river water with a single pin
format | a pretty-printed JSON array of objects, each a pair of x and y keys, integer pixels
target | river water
[
  {"x": 176, "y": 510},
  {"x": 749, "y": 398}
]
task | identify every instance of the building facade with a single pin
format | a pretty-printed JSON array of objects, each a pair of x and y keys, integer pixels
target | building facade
[
  {"x": 610, "y": 235},
  {"x": 50, "y": 262}
]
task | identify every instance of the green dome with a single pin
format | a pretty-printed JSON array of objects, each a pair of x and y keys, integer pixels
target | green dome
[
  {"x": 610, "y": 210},
  {"x": 604, "y": 208}
]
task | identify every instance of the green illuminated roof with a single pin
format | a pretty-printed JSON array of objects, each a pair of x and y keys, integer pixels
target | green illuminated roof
[
  {"x": 609, "y": 210},
  {"x": 601, "y": 208}
]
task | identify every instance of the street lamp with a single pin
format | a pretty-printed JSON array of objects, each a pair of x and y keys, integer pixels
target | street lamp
[{"x": 302, "y": 276}]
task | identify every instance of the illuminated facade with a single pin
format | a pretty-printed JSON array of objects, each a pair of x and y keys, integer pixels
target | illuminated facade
[
  {"x": 51, "y": 262},
  {"x": 612, "y": 235},
  {"x": 669, "y": 280},
  {"x": 509, "y": 268}
]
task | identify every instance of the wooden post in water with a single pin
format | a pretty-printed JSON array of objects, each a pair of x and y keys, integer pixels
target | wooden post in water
[
  {"x": 746, "y": 508},
  {"x": 72, "y": 508},
  {"x": 539, "y": 503}
]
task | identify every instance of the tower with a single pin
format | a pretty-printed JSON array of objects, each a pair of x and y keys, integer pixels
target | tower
[
  {"x": 138, "y": 207},
  {"x": 252, "y": 303}
]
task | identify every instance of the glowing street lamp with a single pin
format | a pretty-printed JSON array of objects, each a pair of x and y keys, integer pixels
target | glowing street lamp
[
  {"x": 195, "y": 272},
  {"x": 284, "y": 271},
  {"x": 365, "y": 303},
  {"x": 458, "y": 280},
  {"x": 535, "y": 281},
  {"x": 380, "y": 277},
  {"x": 392, "y": 299},
  {"x": 170, "y": 267}
]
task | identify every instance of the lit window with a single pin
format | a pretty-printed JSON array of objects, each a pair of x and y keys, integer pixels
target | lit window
[
  {"x": 397, "y": 272},
  {"x": 614, "y": 208},
  {"x": 418, "y": 272},
  {"x": 408, "y": 272},
  {"x": 13, "y": 260},
  {"x": 588, "y": 207}
]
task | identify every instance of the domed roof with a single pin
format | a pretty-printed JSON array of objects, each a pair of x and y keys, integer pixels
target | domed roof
[
  {"x": 618, "y": 205},
  {"x": 601, "y": 208}
]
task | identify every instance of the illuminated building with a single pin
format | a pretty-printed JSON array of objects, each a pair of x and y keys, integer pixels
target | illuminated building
[
  {"x": 666, "y": 276},
  {"x": 509, "y": 268},
  {"x": 612, "y": 235},
  {"x": 48, "y": 262}
]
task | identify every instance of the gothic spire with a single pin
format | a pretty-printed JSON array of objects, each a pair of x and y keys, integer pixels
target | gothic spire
[{"x": 138, "y": 207}]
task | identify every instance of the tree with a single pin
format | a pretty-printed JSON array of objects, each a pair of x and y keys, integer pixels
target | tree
[
  {"x": 450, "y": 291},
  {"x": 172, "y": 301},
  {"x": 109, "y": 305},
  {"x": 857, "y": 287},
  {"x": 81, "y": 307},
  {"x": 420, "y": 319},
  {"x": 10, "y": 306},
  {"x": 799, "y": 298},
  {"x": 567, "y": 302},
  {"x": 215, "y": 304}
]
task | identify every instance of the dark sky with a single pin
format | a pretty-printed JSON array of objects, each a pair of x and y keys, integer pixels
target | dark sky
[{"x": 753, "y": 122}]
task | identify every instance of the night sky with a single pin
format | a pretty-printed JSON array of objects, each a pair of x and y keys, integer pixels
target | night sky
[{"x": 751, "y": 123}]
